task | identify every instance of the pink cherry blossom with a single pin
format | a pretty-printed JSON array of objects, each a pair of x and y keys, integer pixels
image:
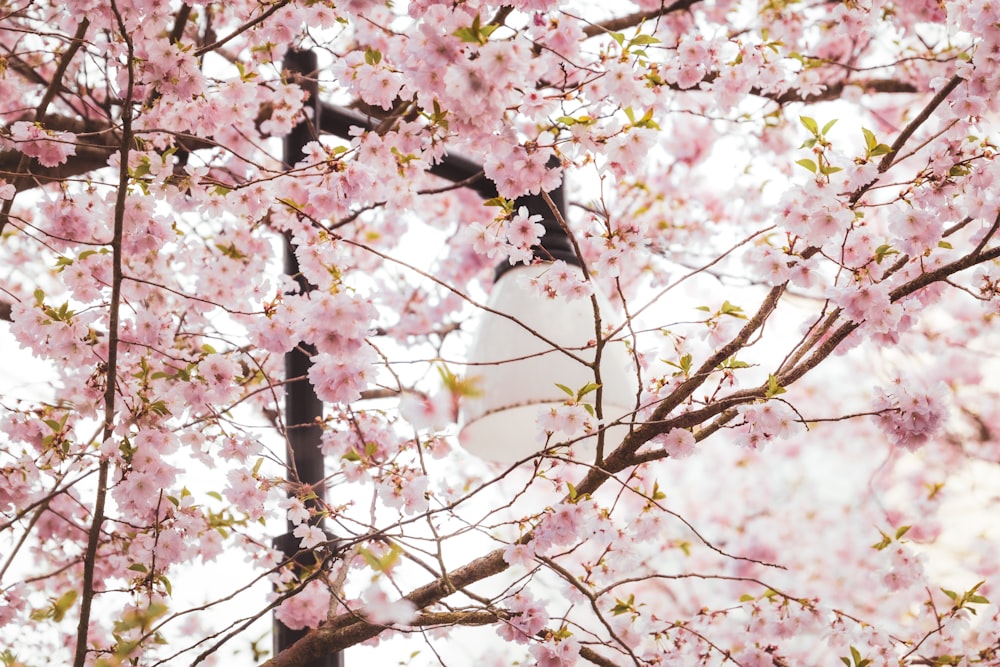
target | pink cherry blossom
[
  {"x": 186, "y": 201},
  {"x": 384, "y": 610},
  {"x": 307, "y": 608},
  {"x": 50, "y": 148},
  {"x": 678, "y": 443},
  {"x": 309, "y": 536}
]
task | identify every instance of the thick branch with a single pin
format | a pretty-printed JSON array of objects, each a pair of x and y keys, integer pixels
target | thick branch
[
  {"x": 474, "y": 617},
  {"x": 829, "y": 345},
  {"x": 60, "y": 72},
  {"x": 348, "y": 629},
  {"x": 625, "y": 22},
  {"x": 102, "y": 140},
  {"x": 835, "y": 90},
  {"x": 43, "y": 105}
]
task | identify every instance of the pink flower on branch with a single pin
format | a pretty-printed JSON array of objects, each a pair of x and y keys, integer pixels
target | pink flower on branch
[
  {"x": 306, "y": 609},
  {"x": 50, "y": 148},
  {"x": 910, "y": 412}
]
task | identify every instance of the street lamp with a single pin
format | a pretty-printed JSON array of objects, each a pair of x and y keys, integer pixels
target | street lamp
[
  {"x": 303, "y": 408},
  {"x": 527, "y": 344},
  {"x": 524, "y": 346}
]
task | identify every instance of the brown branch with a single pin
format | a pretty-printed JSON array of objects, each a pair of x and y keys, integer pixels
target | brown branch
[
  {"x": 915, "y": 124},
  {"x": 625, "y": 22},
  {"x": 240, "y": 30},
  {"x": 101, "y": 142},
  {"x": 43, "y": 105},
  {"x": 347, "y": 629},
  {"x": 57, "y": 76},
  {"x": 180, "y": 22},
  {"x": 111, "y": 374},
  {"x": 835, "y": 90},
  {"x": 16, "y": 63},
  {"x": 592, "y": 656},
  {"x": 475, "y": 617}
]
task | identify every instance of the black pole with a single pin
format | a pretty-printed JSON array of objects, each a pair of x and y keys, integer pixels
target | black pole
[
  {"x": 303, "y": 409},
  {"x": 554, "y": 244}
]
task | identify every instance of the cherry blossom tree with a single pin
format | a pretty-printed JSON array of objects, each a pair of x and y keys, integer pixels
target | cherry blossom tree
[{"x": 792, "y": 204}]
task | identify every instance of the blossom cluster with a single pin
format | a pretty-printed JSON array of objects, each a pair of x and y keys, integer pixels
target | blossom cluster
[{"x": 783, "y": 199}]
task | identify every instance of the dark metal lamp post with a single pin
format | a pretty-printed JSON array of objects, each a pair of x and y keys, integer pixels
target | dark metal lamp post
[{"x": 505, "y": 382}]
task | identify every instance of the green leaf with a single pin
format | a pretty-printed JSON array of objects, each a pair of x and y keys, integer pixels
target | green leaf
[
  {"x": 244, "y": 75},
  {"x": 881, "y": 149},
  {"x": 618, "y": 37},
  {"x": 623, "y": 606},
  {"x": 63, "y": 605},
  {"x": 138, "y": 567},
  {"x": 810, "y": 124},
  {"x": 643, "y": 40},
  {"x": 945, "y": 245},
  {"x": 732, "y": 311},
  {"x": 807, "y": 163},
  {"x": 467, "y": 387},
  {"x": 567, "y": 390},
  {"x": 684, "y": 364},
  {"x": 476, "y": 33},
  {"x": 466, "y": 35},
  {"x": 500, "y": 202},
  {"x": 732, "y": 363},
  {"x": 884, "y": 251},
  {"x": 586, "y": 389},
  {"x": 372, "y": 56},
  {"x": 902, "y": 530},
  {"x": 773, "y": 388},
  {"x": 826, "y": 128},
  {"x": 382, "y": 563},
  {"x": 883, "y": 543},
  {"x": 870, "y": 141},
  {"x": 572, "y": 491},
  {"x": 166, "y": 585}
]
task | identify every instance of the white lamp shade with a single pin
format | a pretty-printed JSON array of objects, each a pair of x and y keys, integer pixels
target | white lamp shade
[{"x": 516, "y": 371}]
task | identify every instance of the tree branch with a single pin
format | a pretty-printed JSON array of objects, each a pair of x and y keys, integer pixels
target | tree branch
[
  {"x": 111, "y": 374},
  {"x": 43, "y": 105},
  {"x": 625, "y": 22},
  {"x": 347, "y": 629}
]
